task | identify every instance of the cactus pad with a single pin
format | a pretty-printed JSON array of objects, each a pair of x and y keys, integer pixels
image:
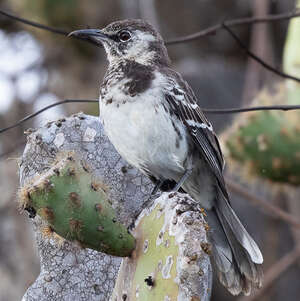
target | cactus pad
[
  {"x": 169, "y": 262},
  {"x": 76, "y": 208},
  {"x": 266, "y": 144}
]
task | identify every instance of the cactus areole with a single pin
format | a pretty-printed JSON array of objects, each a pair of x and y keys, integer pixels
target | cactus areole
[{"x": 76, "y": 208}]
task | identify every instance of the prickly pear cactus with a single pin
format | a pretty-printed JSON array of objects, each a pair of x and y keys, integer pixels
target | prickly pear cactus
[
  {"x": 76, "y": 207},
  {"x": 267, "y": 143},
  {"x": 171, "y": 259}
]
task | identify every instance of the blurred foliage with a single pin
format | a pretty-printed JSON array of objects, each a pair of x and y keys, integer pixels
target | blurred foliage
[
  {"x": 59, "y": 14},
  {"x": 68, "y": 15},
  {"x": 6, "y": 23},
  {"x": 267, "y": 144},
  {"x": 52, "y": 12}
]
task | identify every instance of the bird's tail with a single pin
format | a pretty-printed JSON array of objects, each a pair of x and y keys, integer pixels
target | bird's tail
[{"x": 237, "y": 257}]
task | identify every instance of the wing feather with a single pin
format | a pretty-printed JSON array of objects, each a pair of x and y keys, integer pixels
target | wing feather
[{"x": 182, "y": 102}]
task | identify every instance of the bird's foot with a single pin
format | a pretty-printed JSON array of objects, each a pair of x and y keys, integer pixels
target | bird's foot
[{"x": 164, "y": 186}]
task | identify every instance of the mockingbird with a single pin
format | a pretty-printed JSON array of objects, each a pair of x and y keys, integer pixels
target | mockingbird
[{"x": 151, "y": 116}]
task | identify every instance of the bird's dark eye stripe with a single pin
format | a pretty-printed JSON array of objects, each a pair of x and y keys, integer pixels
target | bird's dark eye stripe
[{"x": 115, "y": 37}]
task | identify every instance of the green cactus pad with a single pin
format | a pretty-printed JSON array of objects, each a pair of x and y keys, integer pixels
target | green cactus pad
[
  {"x": 267, "y": 143},
  {"x": 169, "y": 262},
  {"x": 76, "y": 208},
  {"x": 157, "y": 261}
]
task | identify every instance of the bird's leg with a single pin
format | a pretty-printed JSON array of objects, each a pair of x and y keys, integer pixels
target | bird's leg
[
  {"x": 164, "y": 184},
  {"x": 157, "y": 186},
  {"x": 188, "y": 171},
  {"x": 186, "y": 174}
]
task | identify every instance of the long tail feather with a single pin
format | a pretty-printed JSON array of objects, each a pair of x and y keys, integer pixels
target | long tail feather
[{"x": 236, "y": 255}]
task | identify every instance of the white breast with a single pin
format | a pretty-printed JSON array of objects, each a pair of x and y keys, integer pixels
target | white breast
[{"x": 143, "y": 133}]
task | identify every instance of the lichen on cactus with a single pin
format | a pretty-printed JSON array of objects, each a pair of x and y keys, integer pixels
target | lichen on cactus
[
  {"x": 171, "y": 259},
  {"x": 76, "y": 207}
]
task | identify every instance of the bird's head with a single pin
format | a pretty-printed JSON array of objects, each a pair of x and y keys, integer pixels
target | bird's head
[{"x": 128, "y": 40}]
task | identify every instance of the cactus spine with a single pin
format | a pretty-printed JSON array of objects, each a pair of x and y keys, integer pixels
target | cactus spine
[{"x": 76, "y": 208}]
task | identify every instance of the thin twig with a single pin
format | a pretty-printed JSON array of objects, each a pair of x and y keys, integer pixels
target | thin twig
[
  {"x": 233, "y": 23},
  {"x": 251, "y": 109},
  {"x": 191, "y": 37},
  {"x": 44, "y": 109},
  {"x": 258, "y": 59},
  {"x": 275, "y": 272},
  {"x": 34, "y": 24},
  {"x": 207, "y": 111},
  {"x": 210, "y": 30},
  {"x": 42, "y": 26},
  {"x": 271, "y": 209}
]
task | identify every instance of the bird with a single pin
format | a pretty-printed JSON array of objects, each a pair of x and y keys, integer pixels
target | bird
[{"x": 152, "y": 117}]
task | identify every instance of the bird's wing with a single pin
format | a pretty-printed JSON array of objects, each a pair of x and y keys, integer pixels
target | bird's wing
[{"x": 182, "y": 102}]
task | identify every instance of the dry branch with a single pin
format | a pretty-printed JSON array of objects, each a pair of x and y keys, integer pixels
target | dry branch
[{"x": 261, "y": 203}]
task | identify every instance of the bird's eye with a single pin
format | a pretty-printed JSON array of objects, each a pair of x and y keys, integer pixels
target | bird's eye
[{"x": 124, "y": 36}]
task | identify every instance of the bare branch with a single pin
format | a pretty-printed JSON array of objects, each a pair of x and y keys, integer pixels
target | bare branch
[
  {"x": 205, "y": 32},
  {"x": 251, "y": 109},
  {"x": 207, "y": 111},
  {"x": 44, "y": 109},
  {"x": 188, "y": 38},
  {"x": 34, "y": 24},
  {"x": 256, "y": 58},
  {"x": 234, "y": 23},
  {"x": 42, "y": 26},
  {"x": 275, "y": 272},
  {"x": 271, "y": 209}
]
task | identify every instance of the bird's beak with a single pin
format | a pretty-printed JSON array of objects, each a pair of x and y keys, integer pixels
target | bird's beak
[{"x": 95, "y": 36}]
